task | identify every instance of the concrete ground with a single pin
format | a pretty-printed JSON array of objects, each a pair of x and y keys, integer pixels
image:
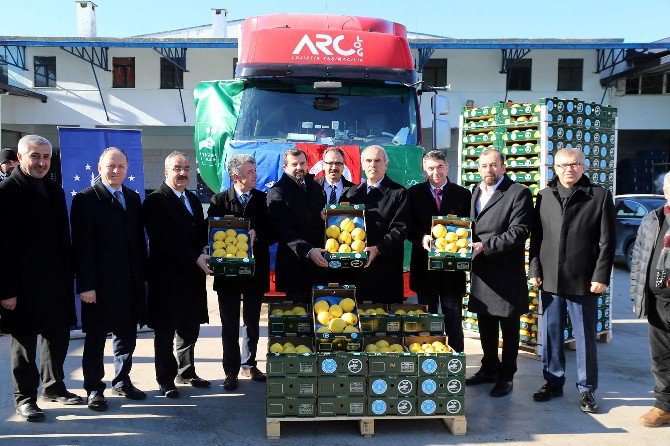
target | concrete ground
[{"x": 216, "y": 417}]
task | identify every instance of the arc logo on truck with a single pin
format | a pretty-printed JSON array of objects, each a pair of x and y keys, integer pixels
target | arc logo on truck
[{"x": 324, "y": 47}]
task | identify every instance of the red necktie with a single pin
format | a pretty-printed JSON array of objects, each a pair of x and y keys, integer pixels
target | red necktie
[{"x": 438, "y": 200}]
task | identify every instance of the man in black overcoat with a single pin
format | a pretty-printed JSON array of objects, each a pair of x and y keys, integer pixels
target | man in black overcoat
[
  {"x": 387, "y": 215},
  {"x": 295, "y": 205},
  {"x": 502, "y": 213},
  {"x": 437, "y": 196},
  {"x": 242, "y": 199},
  {"x": 110, "y": 254},
  {"x": 177, "y": 271},
  {"x": 37, "y": 290},
  {"x": 571, "y": 255}
]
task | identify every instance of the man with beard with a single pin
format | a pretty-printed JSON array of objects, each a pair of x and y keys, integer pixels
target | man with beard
[
  {"x": 335, "y": 186},
  {"x": 502, "y": 213},
  {"x": 295, "y": 203}
]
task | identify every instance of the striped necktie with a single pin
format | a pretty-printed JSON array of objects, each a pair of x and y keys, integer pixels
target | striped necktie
[
  {"x": 182, "y": 197},
  {"x": 332, "y": 199}
]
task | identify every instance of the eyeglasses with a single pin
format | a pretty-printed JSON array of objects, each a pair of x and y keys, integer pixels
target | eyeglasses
[
  {"x": 181, "y": 169},
  {"x": 333, "y": 163},
  {"x": 568, "y": 166}
]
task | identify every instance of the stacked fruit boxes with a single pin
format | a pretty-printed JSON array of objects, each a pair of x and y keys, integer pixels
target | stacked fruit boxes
[{"x": 529, "y": 135}]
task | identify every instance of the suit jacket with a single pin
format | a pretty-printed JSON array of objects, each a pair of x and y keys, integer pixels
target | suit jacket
[
  {"x": 346, "y": 185},
  {"x": 226, "y": 203},
  {"x": 110, "y": 254},
  {"x": 571, "y": 248},
  {"x": 37, "y": 260},
  {"x": 455, "y": 201},
  {"x": 177, "y": 290},
  {"x": 296, "y": 219},
  {"x": 387, "y": 216},
  {"x": 498, "y": 282}
]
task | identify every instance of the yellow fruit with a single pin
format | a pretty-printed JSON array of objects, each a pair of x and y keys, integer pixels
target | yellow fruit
[
  {"x": 242, "y": 246},
  {"x": 276, "y": 348},
  {"x": 242, "y": 238},
  {"x": 384, "y": 350},
  {"x": 323, "y": 329},
  {"x": 440, "y": 243},
  {"x": 219, "y": 235},
  {"x": 350, "y": 318},
  {"x": 380, "y": 311},
  {"x": 414, "y": 345},
  {"x": 231, "y": 240},
  {"x": 347, "y": 225},
  {"x": 231, "y": 249},
  {"x": 332, "y": 245},
  {"x": 229, "y": 255},
  {"x": 437, "y": 344},
  {"x": 337, "y": 325},
  {"x": 369, "y": 312},
  {"x": 335, "y": 310},
  {"x": 347, "y": 305},
  {"x": 358, "y": 234},
  {"x": 345, "y": 237},
  {"x": 344, "y": 249},
  {"x": 357, "y": 246},
  {"x": 289, "y": 350},
  {"x": 289, "y": 344},
  {"x": 396, "y": 348},
  {"x": 439, "y": 231},
  {"x": 451, "y": 237},
  {"x": 400, "y": 312},
  {"x": 324, "y": 317},
  {"x": 464, "y": 251},
  {"x": 231, "y": 233},
  {"x": 371, "y": 348},
  {"x": 462, "y": 233},
  {"x": 302, "y": 349},
  {"x": 333, "y": 231},
  {"x": 288, "y": 313},
  {"x": 382, "y": 343},
  {"x": 451, "y": 247},
  {"x": 219, "y": 244},
  {"x": 416, "y": 349},
  {"x": 242, "y": 255},
  {"x": 321, "y": 306},
  {"x": 277, "y": 312},
  {"x": 300, "y": 311},
  {"x": 462, "y": 243},
  {"x": 219, "y": 253},
  {"x": 350, "y": 329}
]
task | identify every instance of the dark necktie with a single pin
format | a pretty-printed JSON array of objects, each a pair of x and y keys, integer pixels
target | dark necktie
[
  {"x": 332, "y": 199},
  {"x": 182, "y": 197},
  {"x": 244, "y": 199},
  {"x": 117, "y": 195},
  {"x": 438, "y": 199},
  {"x": 303, "y": 186}
]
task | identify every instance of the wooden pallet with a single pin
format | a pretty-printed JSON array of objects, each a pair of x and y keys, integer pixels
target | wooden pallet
[
  {"x": 456, "y": 424},
  {"x": 604, "y": 337}
]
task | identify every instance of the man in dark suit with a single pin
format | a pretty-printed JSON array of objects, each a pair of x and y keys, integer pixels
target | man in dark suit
[
  {"x": 502, "y": 216},
  {"x": 387, "y": 215},
  {"x": 437, "y": 196},
  {"x": 335, "y": 186},
  {"x": 295, "y": 204},
  {"x": 8, "y": 161},
  {"x": 571, "y": 256},
  {"x": 37, "y": 290},
  {"x": 177, "y": 303},
  {"x": 110, "y": 254},
  {"x": 242, "y": 199}
]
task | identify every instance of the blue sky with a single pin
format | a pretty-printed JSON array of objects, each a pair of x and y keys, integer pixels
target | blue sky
[{"x": 641, "y": 21}]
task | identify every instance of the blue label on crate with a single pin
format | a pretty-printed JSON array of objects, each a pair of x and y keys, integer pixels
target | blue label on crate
[
  {"x": 603, "y": 176},
  {"x": 603, "y": 151},
  {"x": 550, "y": 146},
  {"x": 603, "y": 138},
  {"x": 428, "y": 407},
  {"x": 587, "y": 110},
  {"x": 329, "y": 365},
  {"x": 566, "y": 334},
  {"x": 429, "y": 366},
  {"x": 550, "y": 132},
  {"x": 379, "y": 386},
  {"x": 569, "y": 120},
  {"x": 587, "y": 122},
  {"x": 587, "y": 162},
  {"x": 587, "y": 137},
  {"x": 429, "y": 386},
  {"x": 550, "y": 159},
  {"x": 550, "y": 118},
  {"x": 568, "y": 134},
  {"x": 571, "y": 106},
  {"x": 550, "y": 105},
  {"x": 378, "y": 407}
]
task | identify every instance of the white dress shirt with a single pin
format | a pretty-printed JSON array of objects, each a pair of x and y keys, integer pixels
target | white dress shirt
[
  {"x": 373, "y": 185},
  {"x": 339, "y": 188},
  {"x": 486, "y": 194},
  {"x": 179, "y": 194}
]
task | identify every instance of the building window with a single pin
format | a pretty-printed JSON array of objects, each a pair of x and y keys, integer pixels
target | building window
[
  {"x": 633, "y": 85},
  {"x": 518, "y": 76},
  {"x": 171, "y": 76},
  {"x": 45, "y": 71},
  {"x": 570, "y": 74},
  {"x": 4, "y": 75},
  {"x": 123, "y": 72},
  {"x": 435, "y": 73},
  {"x": 655, "y": 83},
  {"x": 234, "y": 66}
]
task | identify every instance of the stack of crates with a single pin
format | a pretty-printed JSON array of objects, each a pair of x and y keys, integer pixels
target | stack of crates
[{"x": 342, "y": 384}]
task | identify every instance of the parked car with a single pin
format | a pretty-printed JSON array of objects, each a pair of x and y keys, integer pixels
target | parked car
[{"x": 629, "y": 212}]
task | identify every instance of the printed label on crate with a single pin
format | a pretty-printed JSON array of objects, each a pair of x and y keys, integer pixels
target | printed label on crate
[
  {"x": 429, "y": 366},
  {"x": 404, "y": 407},
  {"x": 437, "y": 326},
  {"x": 429, "y": 386},
  {"x": 357, "y": 387},
  {"x": 306, "y": 389},
  {"x": 306, "y": 367},
  {"x": 453, "y": 406},
  {"x": 379, "y": 386},
  {"x": 407, "y": 367},
  {"x": 355, "y": 365},
  {"x": 378, "y": 407},
  {"x": 305, "y": 409},
  {"x": 304, "y": 327},
  {"x": 357, "y": 408},
  {"x": 454, "y": 366},
  {"x": 428, "y": 407},
  {"x": 454, "y": 386},
  {"x": 329, "y": 365},
  {"x": 405, "y": 387},
  {"x": 393, "y": 326}
]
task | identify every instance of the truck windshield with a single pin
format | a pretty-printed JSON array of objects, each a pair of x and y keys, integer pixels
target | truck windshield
[{"x": 351, "y": 114}]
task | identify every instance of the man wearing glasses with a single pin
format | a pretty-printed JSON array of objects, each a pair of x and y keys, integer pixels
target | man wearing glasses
[
  {"x": 571, "y": 257},
  {"x": 177, "y": 271},
  {"x": 334, "y": 184}
]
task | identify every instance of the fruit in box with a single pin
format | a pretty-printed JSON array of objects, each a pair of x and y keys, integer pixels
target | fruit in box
[
  {"x": 334, "y": 318},
  {"x": 451, "y": 238},
  {"x": 345, "y": 235},
  {"x": 288, "y": 347},
  {"x": 435, "y": 347},
  {"x": 230, "y": 244}
]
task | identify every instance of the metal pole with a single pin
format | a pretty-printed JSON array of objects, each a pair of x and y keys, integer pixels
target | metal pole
[{"x": 99, "y": 91}]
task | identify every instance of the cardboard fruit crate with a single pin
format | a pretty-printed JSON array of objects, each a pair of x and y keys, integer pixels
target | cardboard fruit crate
[
  {"x": 378, "y": 323},
  {"x": 521, "y": 149},
  {"x": 280, "y": 324},
  {"x": 440, "y": 405},
  {"x": 438, "y": 259},
  {"x": 342, "y": 385},
  {"x": 297, "y": 386},
  {"x": 382, "y": 406},
  {"x": 326, "y": 339},
  {"x": 290, "y": 407},
  {"x": 300, "y": 364},
  {"x": 392, "y": 385},
  {"x": 430, "y": 364},
  {"x": 347, "y": 250},
  {"x": 230, "y": 266},
  {"x": 441, "y": 385},
  {"x": 389, "y": 363},
  {"x": 348, "y": 406}
]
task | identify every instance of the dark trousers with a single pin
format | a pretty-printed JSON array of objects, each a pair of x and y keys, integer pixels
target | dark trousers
[
  {"x": 92, "y": 361},
  {"x": 167, "y": 366},
  {"x": 229, "y": 309},
  {"x": 584, "y": 316},
  {"x": 489, "y": 327},
  {"x": 26, "y": 377},
  {"x": 451, "y": 304},
  {"x": 659, "y": 343}
]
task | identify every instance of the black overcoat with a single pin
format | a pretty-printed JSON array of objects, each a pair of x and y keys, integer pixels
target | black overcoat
[
  {"x": 498, "y": 283},
  {"x": 455, "y": 201},
  {"x": 177, "y": 286},
  {"x": 110, "y": 254},
  {"x": 36, "y": 263},
  {"x": 296, "y": 218},
  {"x": 571, "y": 248},
  {"x": 226, "y": 203},
  {"x": 387, "y": 216}
]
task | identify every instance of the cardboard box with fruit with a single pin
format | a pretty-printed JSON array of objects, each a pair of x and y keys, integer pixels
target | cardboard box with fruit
[
  {"x": 289, "y": 319},
  {"x": 416, "y": 320},
  {"x": 450, "y": 249},
  {"x": 345, "y": 236},
  {"x": 435, "y": 357},
  {"x": 387, "y": 356},
  {"x": 375, "y": 319},
  {"x": 336, "y": 325},
  {"x": 291, "y": 356},
  {"x": 230, "y": 248}
]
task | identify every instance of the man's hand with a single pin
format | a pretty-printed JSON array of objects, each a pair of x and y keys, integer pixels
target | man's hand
[
  {"x": 202, "y": 263},
  {"x": 536, "y": 281},
  {"x": 316, "y": 256},
  {"x": 8, "y": 304},
  {"x": 88, "y": 297},
  {"x": 323, "y": 214},
  {"x": 477, "y": 247},
  {"x": 252, "y": 235},
  {"x": 373, "y": 252},
  {"x": 597, "y": 287},
  {"x": 426, "y": 242}
]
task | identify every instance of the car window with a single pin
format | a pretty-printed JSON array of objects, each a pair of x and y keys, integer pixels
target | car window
[{"x": 630, "y": 209}]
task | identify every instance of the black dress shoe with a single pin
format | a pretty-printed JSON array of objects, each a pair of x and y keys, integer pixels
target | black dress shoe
[
  {"x": 30, "y": 412},
  {"x": 588, "y": 402},
  {"x": 502, "y": 388},
  {"x": 65, "y": 397},
  {"x": 230, "y": 383},
  {"x": 196, "y": 381},
  {"x": 480, "y": 378},
  {"x": 129, "y": 391},
  {"x": 254, "y": 374},
  {"x": 97, "y": 402},
  {"x": 547, "y": 392},
  {"x": 169, "y": 391}
]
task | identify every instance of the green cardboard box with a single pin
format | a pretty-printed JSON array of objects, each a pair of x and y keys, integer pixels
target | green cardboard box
[
  {"x": 392, "y": 385},
  {"x": 282, "y": 364},
  {"x": 429, "y": 364},
  {"x": 290, "y": 407},
  {"x": 298, "y": 386},
  {"x": 291, "y": 325},
  {"x": 334, "y": 213},
  {"x": 392, "y": 406},
  {"x": 230, "y": 266},
  {"x": 342, "y": 363},
  {"x": 342, "y": 406},
  {"x": 441, "y": 385},
  {"x": 342, "y": 385},
  {"x": 334, "y": 342},
  {"x": 438, "y": 258}
]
